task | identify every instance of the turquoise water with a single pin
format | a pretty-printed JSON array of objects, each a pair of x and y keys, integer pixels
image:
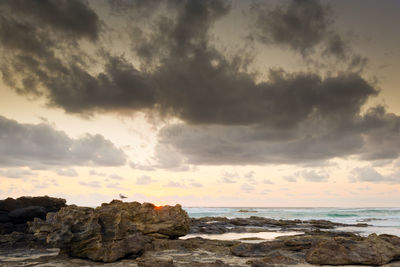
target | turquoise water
[{"x": 382, "y": 220}]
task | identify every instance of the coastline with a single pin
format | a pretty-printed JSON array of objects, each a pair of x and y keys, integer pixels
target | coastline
[{"x": 144, "y": 235}]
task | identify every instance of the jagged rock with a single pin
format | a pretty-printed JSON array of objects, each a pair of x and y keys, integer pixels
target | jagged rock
[
  {"x": 14, "y": 213},
  {"x": 373, "y": 250},
  {"x": 111, "y": 231}
]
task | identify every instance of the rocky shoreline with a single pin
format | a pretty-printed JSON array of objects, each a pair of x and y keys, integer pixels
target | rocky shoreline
[{"x": 133, "y": 234}]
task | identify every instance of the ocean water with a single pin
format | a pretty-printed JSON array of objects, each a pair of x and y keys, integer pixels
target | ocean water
[{"x": 382, "y": 220}]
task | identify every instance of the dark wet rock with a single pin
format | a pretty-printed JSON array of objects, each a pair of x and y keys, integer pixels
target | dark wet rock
[
  {"x": 298, "y": 243},
  {"x": 15, "y": 213},
  {"x": 22, "y": 215},
  {"x": 217, "y": 246},
  {"x": 7, "y": 228},
  {"x": 149, "y": 262},
  {"x": 370, "y": 220},
  {"x": 247, "y": 211},
  {"x": 49, "y": 203},
  {"x": 4, "y": 217},
  {"x": 275, "y": 257},
  {"x": 111, "y": 231},
  {"x": 220, "y": 225},
  {"x": 373, "y": 250},
  {"x": 217, "y": 263},
  {"x": 19, "y": 240}
]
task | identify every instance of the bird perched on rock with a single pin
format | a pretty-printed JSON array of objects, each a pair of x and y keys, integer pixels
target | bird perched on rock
[{"x": 121, "y": 196}]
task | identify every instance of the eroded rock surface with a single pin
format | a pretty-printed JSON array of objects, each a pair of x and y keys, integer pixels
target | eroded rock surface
[
  {"x": 111, "y": 231},
  {"x": 373, "y": 250},
  {"x": 220, "y": 225}
]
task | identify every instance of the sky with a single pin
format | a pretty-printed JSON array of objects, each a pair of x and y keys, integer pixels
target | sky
[{"x": 210, "y": 103}]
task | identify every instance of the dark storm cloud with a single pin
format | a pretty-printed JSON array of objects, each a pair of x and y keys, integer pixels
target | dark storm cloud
[
  {"x": 229, "y": 117},
  {"x": 41, "y": 144},
  {"x": 72, "y": 17},
  {"x": 301, "y": 24},
  {"x": 383, "y": 138},
  {"x": 372, "y": 136},
  {"x": 193, "y": 80}
]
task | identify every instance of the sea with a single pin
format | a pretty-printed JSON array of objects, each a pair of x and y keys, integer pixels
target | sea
[{"x": 381, "y": 220}]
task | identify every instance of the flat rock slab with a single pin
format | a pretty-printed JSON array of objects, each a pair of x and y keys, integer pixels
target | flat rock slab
[{"x": 49, "y": 258}]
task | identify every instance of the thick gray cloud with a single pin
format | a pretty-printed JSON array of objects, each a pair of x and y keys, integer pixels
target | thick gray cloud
[
  {"x": 72, "y": 17},
  {"x": 371, "y": 136},
  {"x": 192, "y": 79},
  {"x": 301, "y": 24},
  {"x": 229, "y": 117},
  {"x": 41, "y": 144}
]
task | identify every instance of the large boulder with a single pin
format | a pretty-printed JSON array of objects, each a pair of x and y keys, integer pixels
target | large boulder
[
  {"x": 373, "y": 250},
  {"x": 111, "y": 231},
  {"x": 15, "y": 213},
  {"x": 49, "y": 203},
  {"x": 23, "y": 215}
]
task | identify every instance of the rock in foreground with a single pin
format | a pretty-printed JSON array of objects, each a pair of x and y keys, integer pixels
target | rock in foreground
[
  {"x": 112, "y": 231},
  {"x": 373, "y": 250}
]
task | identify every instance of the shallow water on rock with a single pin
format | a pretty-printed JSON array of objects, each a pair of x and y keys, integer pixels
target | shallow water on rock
[{"x": 243, "y": 237}]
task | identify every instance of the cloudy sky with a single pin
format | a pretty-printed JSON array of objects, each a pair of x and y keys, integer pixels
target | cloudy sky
[{"x": 203, "y": 103}]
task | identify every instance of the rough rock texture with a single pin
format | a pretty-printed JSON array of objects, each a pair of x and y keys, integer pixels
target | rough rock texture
[
  {"x": 296, "y": 243},
  {"x": 373, "y": 250},
  {"x": 155, "y": 262},
  {"x": 15, "y": 213},
  {"x": 19, "y": 240},
  {"x": 275, "y": 257},
  {"x": 112, "y": 231},
  {"x": 220, "y": 225}
]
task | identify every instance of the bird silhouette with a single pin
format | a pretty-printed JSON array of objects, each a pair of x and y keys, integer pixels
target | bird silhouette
[{"x": 121, "y": 196}]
